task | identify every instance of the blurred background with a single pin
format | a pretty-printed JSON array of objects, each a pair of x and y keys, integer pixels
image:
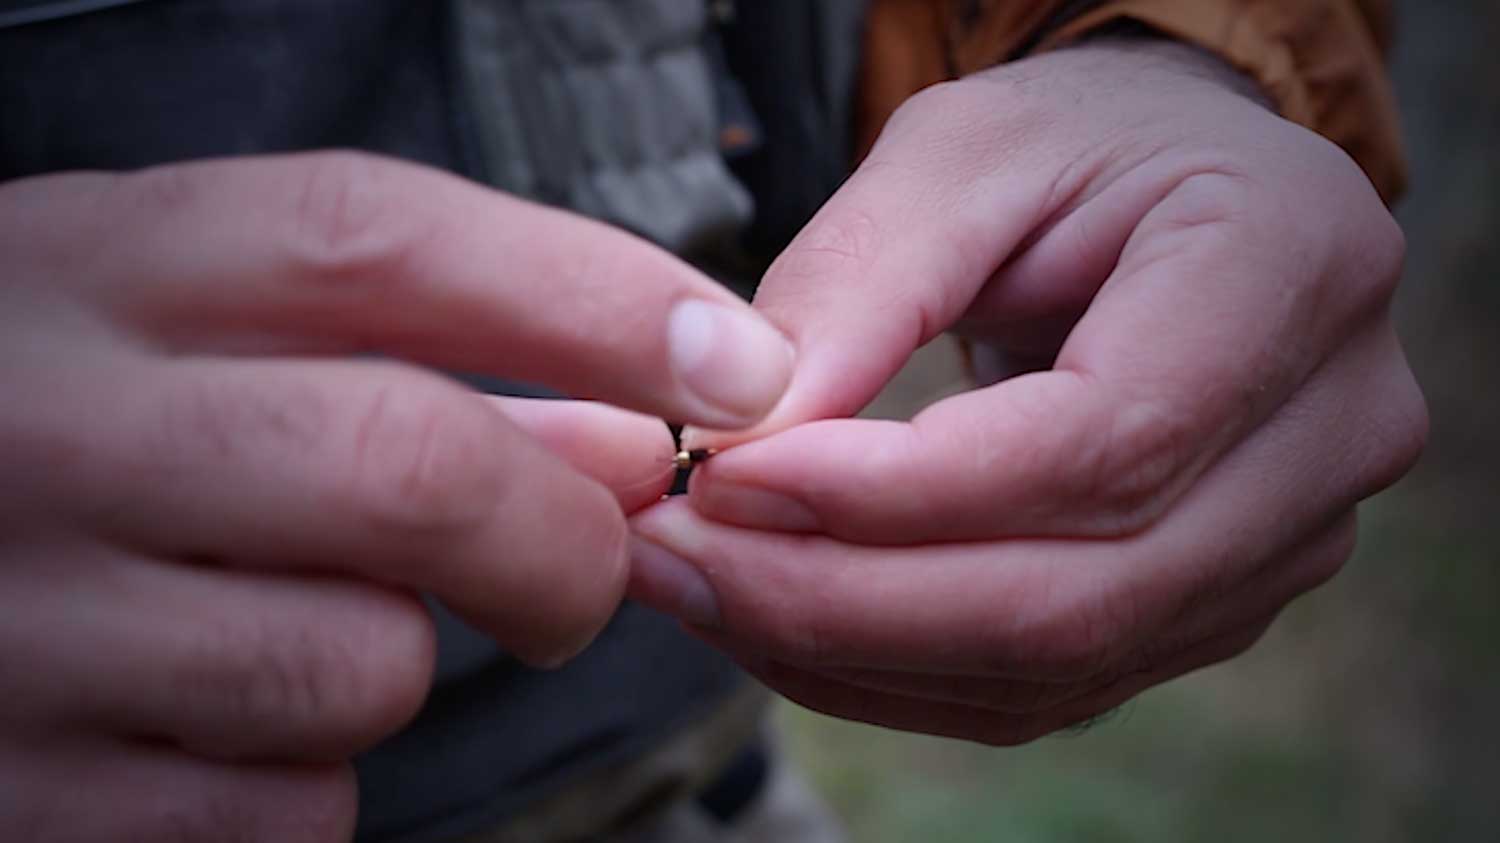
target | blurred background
[{"x": 1371, "y": 712}]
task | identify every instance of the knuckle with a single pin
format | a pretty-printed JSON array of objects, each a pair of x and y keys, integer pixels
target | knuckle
[
  {"x": 970, "y": 107},
  {"x": 304, "y": 679},
  {"x": 1395, "y": 429},
  {"x": 1368, "y": 246},
  {"x": 831, "y": 245},
  {"x": 201, "y": 419},
  {"x": 1209, "y": 197},
  {"x": 1129, "y": 472},
  {"x": 335, "y": 686},
  {"x": 1330, "y": 556},
  {"x": 1410, "y": 442},
  {"x": 347, "y": 221},
  {"x": 422, "y": 462},
  {"x": 967, "y": 131},
  {"x": 1408, "y": 432},
  {"x": 386, "y": 666},
  {"x": 1387, "y": 249},
  {"x": 245, "y": 674},
  {"x": 1147, "y": 458},
  {"x": 1373, "y": 255},
  {"x": 1103, "y": 467}
]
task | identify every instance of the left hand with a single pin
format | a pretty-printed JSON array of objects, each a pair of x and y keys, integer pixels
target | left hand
[{"x": 1201, "y": 291}]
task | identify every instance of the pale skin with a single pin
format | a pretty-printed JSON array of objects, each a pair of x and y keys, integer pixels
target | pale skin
[
  {"x": 214, "y": 522},
  {"x": 214, "y": 519},
  {"x": 1195, "y": 294}
]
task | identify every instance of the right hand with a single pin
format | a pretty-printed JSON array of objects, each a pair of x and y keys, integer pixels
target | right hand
[{"x": 214, "y": 517}]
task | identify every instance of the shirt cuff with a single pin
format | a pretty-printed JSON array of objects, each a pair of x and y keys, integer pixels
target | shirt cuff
[{"x": 1318, "y": 60}]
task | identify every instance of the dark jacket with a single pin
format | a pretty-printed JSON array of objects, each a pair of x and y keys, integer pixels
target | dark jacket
[{"x": 121, "y": 85}]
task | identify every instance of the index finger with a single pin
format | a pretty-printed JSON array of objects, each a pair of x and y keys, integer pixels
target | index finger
[
  {"x": 346, "y": 253},
  {"x": 1201, "y": 333}
]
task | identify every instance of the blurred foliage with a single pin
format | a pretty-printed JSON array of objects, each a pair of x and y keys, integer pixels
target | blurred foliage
[{"x": 1368, "y": 713}]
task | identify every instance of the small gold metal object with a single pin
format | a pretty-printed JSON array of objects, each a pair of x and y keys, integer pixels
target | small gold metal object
[{"x": 688, "y": 459}]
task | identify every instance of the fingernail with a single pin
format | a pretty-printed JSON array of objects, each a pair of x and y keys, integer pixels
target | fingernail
[
  {"x": 748, "y": 506},
  {"x": 665, "y": 581},
  {"x": 733, "y": 362}
]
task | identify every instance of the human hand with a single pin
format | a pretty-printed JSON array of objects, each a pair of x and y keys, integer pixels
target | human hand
[
  {"x": 214, "y": 520},
  {"x": 1197, "y": 293}
]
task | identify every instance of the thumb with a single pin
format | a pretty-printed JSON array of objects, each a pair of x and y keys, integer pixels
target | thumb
[{"x": 891, "y": 261}]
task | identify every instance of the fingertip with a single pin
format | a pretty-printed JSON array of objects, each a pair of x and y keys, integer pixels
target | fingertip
[
  {"x": 576, "y": 614},
  {"x": 628, "y": 452},
  {"x": 731, "y": 364},
  {"x": 549, "y": 573},
  {"x": 837, "y": 373},
  {"x": 593, "y": 598}
]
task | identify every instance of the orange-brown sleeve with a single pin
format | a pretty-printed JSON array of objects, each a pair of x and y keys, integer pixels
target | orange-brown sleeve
[
  {"x": 1321, "y": 61},
  {"x": 910, "y": 44}
]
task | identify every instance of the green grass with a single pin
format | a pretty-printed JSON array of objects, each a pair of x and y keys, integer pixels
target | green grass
[{"x": 1365, "y": 715}]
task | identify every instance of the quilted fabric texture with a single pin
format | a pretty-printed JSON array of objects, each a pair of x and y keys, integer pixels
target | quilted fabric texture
[{"x": 606, "y": 107}]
